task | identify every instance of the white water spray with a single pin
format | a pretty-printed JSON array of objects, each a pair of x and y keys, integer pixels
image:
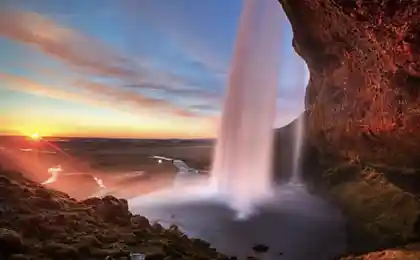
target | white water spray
[{"x": 243, "y": 156}]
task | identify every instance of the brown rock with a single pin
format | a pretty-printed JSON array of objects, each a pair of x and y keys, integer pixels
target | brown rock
[
  {"x": 53, "y": 226},
  {"x": 10, "y": 240},
  {"x": 111, "y": 209},
  {"x": 109, "y": 252},
  {"x": 397, "y": 254},
  {"x": 19, "y": 257},
  {"x": 364, "y": 61},
  {"x": 45, "y": 203},
  {"x": 140, "y": 222},
  {"x": 56, "y": 249},
  {"x": 92, "y": 201},
  {"x": 153, "y": 253}
]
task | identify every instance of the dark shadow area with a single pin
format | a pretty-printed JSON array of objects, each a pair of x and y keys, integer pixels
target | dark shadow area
[{"x": 407, "y": 180}]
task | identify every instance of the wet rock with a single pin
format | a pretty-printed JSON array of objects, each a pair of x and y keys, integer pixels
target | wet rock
[
  {"x": 114, "y": 252},
  {"x": 158, "y": 227},
  {"x": 402, "y": 253},
  {"x": 46, "y": 203},
  {"x": 87, "y": 241},
  {"x": 10, "y": 240},
  {"x": 59, "y": 250},
  {"x": 153, "y": 253},
  {"x": 137, "y": 256},
  {"x": 260, "y": 248},
  {"x": 199, "y": 243},
  {"x": 140, "y": 222},
  {"x": 18, "y": 257},
  {"x": 112, "y": 209},
  {"x": 92, "y": 202}
]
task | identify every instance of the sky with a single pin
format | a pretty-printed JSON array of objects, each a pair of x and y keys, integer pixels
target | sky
[{"x": 126, "y": 68}]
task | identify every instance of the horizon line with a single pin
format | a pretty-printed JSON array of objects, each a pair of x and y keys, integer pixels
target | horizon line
[{"x": 110, "y": 137}]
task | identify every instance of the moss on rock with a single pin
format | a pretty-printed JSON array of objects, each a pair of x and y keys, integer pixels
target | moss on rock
[{"x": 380, "y": 213}]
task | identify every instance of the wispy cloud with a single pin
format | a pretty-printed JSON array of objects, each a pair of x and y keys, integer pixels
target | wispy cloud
[
  {"x": 93, "y": 58},
  {"x": 70, "y": 46},
  {"x": 84, "y": 52},
  {"x": 131, "y": 98},
  {"x": 94, "y": 94},
  {"x": 21, "y": 84}
]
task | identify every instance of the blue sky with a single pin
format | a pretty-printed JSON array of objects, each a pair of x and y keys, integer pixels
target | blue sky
[{"x": 132, "y": 68}]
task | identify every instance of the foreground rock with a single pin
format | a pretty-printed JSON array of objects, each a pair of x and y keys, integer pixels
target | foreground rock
[
  {"x": 37, "y": 223},
  {"x": 364, "y": 61},
  {"x": 411, "y": 252}
]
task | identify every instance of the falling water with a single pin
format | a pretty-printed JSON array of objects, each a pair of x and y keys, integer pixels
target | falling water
[
  {"x": 299, "y": 124},
  {"x": 297, "y": 149},
  {"x": 242, "y": 162}
]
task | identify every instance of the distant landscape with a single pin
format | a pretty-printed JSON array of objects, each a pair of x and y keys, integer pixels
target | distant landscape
[{"x": 118, "y": 162}]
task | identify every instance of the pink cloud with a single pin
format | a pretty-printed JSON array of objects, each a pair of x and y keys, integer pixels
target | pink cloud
[
  {"x": 92, "y": 57},
  {"x": 68, "y": 45}
]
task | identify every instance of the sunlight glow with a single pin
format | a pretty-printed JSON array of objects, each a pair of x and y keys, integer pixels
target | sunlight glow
[{"x": 35, "y": 136}]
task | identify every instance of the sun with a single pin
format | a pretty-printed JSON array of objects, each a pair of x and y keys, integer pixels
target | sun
[{"x": 35, "y": 136}]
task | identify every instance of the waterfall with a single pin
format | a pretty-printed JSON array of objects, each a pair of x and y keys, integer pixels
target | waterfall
[{"x": 242, "y": 163}]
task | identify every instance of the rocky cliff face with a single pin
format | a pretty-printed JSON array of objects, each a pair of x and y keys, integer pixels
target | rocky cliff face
[
  {"x": 364, "y": 89},
  {"x": 362, "y": 105}
]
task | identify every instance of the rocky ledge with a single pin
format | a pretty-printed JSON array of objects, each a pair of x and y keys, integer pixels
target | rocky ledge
[
  {"x": 411, "y": 252},
  {"x": 38, "y": 223}
]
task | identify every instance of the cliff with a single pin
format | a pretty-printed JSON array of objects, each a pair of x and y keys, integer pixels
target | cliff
[
  {"x": 38, "y": 223},
  {"x": 362, "y": 116},
  {"x": 363, "y": 93}
]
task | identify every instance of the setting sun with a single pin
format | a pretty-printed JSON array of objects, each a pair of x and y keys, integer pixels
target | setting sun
[{"x": 35, "y": 136}]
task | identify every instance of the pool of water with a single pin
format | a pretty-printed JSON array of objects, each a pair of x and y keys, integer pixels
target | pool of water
[{"x": 293, "y": 224}]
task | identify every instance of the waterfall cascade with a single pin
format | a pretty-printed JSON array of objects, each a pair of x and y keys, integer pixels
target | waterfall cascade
[
  {"x": 243, "y": 156},
  {"x": 297, "y": 150}
]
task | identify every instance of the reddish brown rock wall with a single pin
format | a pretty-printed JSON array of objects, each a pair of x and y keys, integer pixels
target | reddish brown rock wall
[{"x": 364, "y": 89}]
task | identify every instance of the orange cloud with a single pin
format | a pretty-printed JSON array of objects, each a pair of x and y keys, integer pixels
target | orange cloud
[
  {"x": 21, "y": 84},
  {"x": 130, "y": 97},
  {"x": 93, "y": 94}
]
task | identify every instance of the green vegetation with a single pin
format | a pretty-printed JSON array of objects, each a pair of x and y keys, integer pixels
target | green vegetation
[{"x": 380, "y": 213}]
